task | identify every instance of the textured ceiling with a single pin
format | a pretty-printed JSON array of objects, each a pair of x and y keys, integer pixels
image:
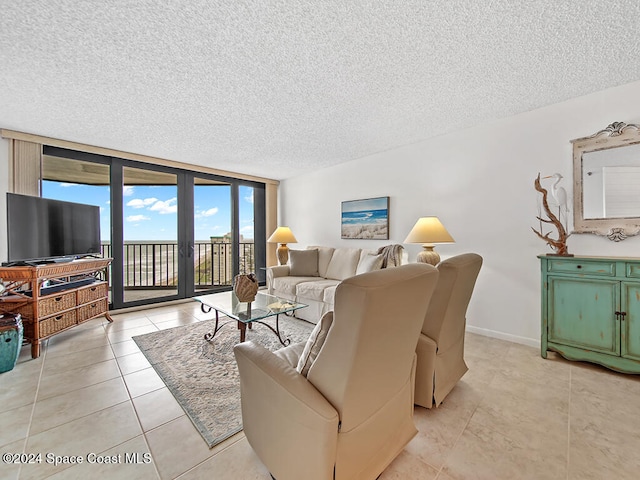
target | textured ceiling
[{"x": 280, "y": 87}]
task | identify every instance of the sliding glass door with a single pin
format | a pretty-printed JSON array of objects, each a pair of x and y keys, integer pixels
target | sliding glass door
[
  {"x": 150, "y": 234},
  {"x": 171, "y": 233},
  {"x": 212, "y": 227}
]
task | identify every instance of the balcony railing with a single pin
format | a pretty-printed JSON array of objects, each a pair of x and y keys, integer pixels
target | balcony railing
[{"x": 155, "y": 265}]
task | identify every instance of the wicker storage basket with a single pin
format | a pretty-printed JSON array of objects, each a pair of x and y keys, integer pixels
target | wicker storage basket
[
  {"x": 85, "y": 312},
  {"x": 56, "y": 303},
  {"x": 93, "y": 292},
  {"x": 49, "y": 305},
  {"x": 51, "y": 325}
]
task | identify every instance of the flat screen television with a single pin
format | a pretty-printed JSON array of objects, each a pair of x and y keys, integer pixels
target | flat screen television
[{"x": 42, "y": 229}]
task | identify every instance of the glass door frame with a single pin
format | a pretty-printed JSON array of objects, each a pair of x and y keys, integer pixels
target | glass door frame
[{"x": 185, "y": 223}]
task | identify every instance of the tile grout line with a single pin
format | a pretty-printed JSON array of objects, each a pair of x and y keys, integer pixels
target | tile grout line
[
  {"x": 455, "y": 442},
  {"x": 569, "y": 421},
  {"x": 211, "y": 456},
  {"x": 43, "y": 353},
  {"x": 133, "y": 405},
  {"x": 120, "y": 403}
]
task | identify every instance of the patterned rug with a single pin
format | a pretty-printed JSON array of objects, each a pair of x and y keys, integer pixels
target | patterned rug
[{"x": 203, "y": 376}]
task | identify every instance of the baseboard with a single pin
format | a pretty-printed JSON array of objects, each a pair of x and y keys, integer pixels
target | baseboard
[{"x": 504, "y": 336}]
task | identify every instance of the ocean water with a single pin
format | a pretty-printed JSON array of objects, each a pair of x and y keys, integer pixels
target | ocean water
[{"x": 365, "y": 217}]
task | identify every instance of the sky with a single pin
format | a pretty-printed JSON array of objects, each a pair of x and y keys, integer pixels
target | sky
[
  {"x": 150, "y": 212},
  {"x": 365, "y": 205}
]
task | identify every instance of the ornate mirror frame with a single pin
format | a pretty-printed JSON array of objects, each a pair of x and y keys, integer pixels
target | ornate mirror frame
[{"x": 616, "y": 135}]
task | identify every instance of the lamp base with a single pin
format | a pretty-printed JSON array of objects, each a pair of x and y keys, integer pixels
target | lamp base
[
  {"x": 428, "y": 255},
  {"x": 283, "y": 254}
]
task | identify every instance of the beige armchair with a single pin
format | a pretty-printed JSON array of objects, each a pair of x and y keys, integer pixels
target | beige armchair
[
  {"x": 441, "y": 344},
  {"x": 353, "y": 413}
]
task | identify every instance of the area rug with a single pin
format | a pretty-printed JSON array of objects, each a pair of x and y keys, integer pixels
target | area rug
[{"x": 203, "y": 375}]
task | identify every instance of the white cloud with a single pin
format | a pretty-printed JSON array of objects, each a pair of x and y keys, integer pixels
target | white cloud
[
  {"x": 127, "y": 191},
  {"x": 165, "y": 207},
  {"x": 137, "y": 218},
  {"x": 247, "y": 232},
  {"x": 141, "y": 203},
  {"x": 249, "y": 198},
  {"x": 65, "y": 184},
  {"x": 208, "y": 213}
]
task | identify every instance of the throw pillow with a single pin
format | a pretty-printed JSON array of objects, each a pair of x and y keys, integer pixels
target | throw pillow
[
  {"x": 314, "y": 343},
  {"x": 303, "y": 263},
  {"x": 369, "y": 263}
]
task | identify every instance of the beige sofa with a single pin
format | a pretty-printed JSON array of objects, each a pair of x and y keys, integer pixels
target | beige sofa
[
  {"x": 353, "y": 413},
  {"x": 312, "y": 275}
]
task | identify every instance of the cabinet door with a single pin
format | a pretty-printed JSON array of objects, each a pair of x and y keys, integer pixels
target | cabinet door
[
  {"x": 582, "y": 313},
  {"x": 630, "y": 337}
]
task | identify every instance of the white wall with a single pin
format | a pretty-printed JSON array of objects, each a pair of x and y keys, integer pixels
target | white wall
[{"x": 479, "y": 182}]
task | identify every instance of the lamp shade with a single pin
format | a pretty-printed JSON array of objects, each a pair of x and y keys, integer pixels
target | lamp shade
[
  {"x": 282, "y": 235},
  {"x": 429, "y": 230}
]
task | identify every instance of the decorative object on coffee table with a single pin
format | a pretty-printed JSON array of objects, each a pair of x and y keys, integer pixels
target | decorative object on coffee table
[
  {"x": 282, "y": 235},
  {"x": 559, "y": 245},
  {"x": 245, "y": 287},
  {"x": 427, "y": 231}
]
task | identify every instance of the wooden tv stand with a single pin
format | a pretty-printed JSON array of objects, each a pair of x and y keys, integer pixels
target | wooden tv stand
[{"x": 46, "y": 315}]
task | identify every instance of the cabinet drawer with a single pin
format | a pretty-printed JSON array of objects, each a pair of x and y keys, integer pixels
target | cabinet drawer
[
  {"x": 56, "y": 303},
  {"x": 49, "y": 305},
  {"x": 633, "y": 270},
  {"x": 85, "y": 312},
  {"x": 51, "y": 325},
  {"x": 604, "y": 269},
  {"x": 92, "y": 292}
]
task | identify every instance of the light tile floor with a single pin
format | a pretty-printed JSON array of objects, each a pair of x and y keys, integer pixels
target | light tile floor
[{"x": 512, "y": 416}]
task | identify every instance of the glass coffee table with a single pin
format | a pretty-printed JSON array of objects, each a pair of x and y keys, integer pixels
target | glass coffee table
[{"x": 246, "y": 314}]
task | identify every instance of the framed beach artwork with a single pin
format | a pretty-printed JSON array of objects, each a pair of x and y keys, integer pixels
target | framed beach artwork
[{"x": 366, "y": 219}]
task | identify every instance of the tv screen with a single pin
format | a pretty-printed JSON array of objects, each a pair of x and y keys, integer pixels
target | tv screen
[{"x": 44, "y": 229}]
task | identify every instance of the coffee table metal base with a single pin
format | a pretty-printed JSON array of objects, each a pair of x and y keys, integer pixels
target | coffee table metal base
[{"x": 242, "y": 326}]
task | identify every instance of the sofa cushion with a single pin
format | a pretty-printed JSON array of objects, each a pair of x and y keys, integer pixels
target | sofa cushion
[
  {"x": 287, "y": 285},
  {"x": 369, "y": 263},
  {"x": 343, "y": 263},
  {"x": 324, "y": 257},
  {"x": 314, "y": 290},
  {"x": 303, "y": 263},
  {"x": 314, "y": 343}
]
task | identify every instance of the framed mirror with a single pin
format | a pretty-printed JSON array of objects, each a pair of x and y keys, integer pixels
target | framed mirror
[{"x": 606, "y": 182}]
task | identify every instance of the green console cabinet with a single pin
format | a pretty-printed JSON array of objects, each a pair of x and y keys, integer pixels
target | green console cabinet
[{"x": 591, "y": 310}]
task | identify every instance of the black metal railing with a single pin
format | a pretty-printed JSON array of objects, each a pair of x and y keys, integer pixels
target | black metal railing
[{"x": 155, "y": 264}]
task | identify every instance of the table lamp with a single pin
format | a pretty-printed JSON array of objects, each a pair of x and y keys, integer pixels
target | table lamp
[
  {"x": 282, "y": 235},
  {"x": 427, "y": 231}
]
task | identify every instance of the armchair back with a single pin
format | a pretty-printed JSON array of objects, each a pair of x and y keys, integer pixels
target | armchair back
[
  {"x": 445, "y": 320},
  {"x": 440, "y": 348},
  {"x": 366, "y": 366}
]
